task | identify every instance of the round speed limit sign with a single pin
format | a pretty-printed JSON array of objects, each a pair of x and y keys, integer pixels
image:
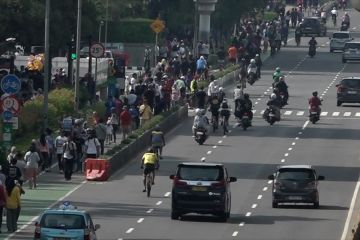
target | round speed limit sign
[{"x": 97, "y": 50}]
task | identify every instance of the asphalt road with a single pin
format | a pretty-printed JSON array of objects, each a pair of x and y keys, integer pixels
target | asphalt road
[{"x": 331, "y": 145}]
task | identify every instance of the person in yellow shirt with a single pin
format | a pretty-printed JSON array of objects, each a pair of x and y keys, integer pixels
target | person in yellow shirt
[
  {"x": 13, "y": 204},
  {"x": 145, "y": 113},
  {"x": 149, "y": 160}
]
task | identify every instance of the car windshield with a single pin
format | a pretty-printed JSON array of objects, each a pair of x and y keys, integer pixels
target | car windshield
[
  {"x": 351, "y": 83},
  {"x": 200, "y": 173},
  {"x": 62, "y": 221},
  {"x": 295, "y": 174},
  {"x": 310, "y": 21},
  {"x": 341, "y": 35},
  {"x": 352, "y": 46}
]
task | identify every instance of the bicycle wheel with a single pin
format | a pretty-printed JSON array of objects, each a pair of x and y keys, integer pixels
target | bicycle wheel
[{"x": 148, "y": 184}]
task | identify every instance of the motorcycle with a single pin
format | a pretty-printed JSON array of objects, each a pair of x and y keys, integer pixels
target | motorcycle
[
  {"x": 312, "y": 50},
  {"x": 270, "y": 115},
  {"x": 314, "y": 115},
  {"x": 252, "y": 75},
  {"x": 344, "y": 26},
  {"x": 245, "y": 121},
  {"x": 200, "y": 135}
]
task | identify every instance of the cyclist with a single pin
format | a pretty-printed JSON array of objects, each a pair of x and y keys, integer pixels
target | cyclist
[
  {"x": 214, "y": 109},
  {"x": 157, "y": 140},
  {"x": 225, "y": 112},
  {"x": 334, "y": 14},
  {"x": 149, "y": 160}
]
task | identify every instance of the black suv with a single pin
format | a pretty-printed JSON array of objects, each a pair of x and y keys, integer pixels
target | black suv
[
  {"x": 295, "y": 184},
  {"x": 312, "y": 26},
  {"x": 201, "y": 188},
  {"x": 348, "y": 91}
]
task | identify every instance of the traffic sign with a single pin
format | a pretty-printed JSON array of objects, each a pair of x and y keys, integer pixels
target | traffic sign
[
  {"x": 15, "y": 123},
  {"x": 10, "y": 84},
  {"x": 7, "y": 115},
  {"x": 157, "y": 26},
  {"x": 97, "y": 50},
  {"x": 10, "y": 103}
]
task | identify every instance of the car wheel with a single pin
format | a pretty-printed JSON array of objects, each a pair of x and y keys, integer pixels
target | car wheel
[
  {"x": 338, "y": 103},
  {"x": 316, "y": 205},
  {"x": 331, "y": 50},
  {"x": 275, "y": 204},
  {"x": 175, "y": 215},
  {"x": 223, "y": 217},
  {"x": 344, "y": 60}
]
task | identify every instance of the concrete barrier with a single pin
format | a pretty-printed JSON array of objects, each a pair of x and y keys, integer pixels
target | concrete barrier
[{"x": 123, "y": 156}]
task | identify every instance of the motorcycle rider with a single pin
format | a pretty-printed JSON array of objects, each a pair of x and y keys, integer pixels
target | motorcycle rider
[
  {"x": 315, "y": 102},
  {"x": 244, "y": 106},
  {"x": 252, "y": 68},
  {"x": 276, "y": 75},
  {"x": 213, "y": 89},
  {"x": 200, "y": 121},
  {"x": 258, "y": 63},
  {"x": 334, "y": 14},
  {"x": 273, "y": 103},
  {"x": 282, "y": 87},
  {"x": 346, "y": 19},
  {"x": 214, "y": 109},
  {"x": 225, "y": 112},
  {"x": 238, "y": 94},
  {"x": 312, "y": 44}
]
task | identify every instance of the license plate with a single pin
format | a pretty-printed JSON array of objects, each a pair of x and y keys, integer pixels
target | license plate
[
  {"x": 200, "y": 133},
  {"x": 352, "y": 92},
  {"x": 271, "y": 115},
  {"x": 313, "y": 113},
  {"x": 199, "y": 189},
  {"x": 294, "y": 198}
]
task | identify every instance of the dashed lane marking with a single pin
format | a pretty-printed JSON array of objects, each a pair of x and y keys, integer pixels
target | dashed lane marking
[
  {"x": 235, "y": 233},
  {"x": 167, "y": 194},
  {"x": 241, "y": 224},
  {"x": 248, "y": 214},
  {"x": 158, "y": 203},
  {"x": 288, "y": 113},
  {"x": 300, "y": 113},
  {"x": 140, "y": 220},
  {"x": 323, "y": 113},
  {"x": 208, "y": 152},
  {"x": 203, "y": 158},
  {"x": 150, "y": 210},
  {"x": 259, "y": 197},
  {"x": 335, "y": 114},
  {"x": 254, "y": 205},
  {"x": 265, "y": 189},
  {"x": 347, "y": 114},
  {"x": 130, "y": 230}
]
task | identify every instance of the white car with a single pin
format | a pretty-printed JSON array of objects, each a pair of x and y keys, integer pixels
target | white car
[
  {"x": 338, "y": 40},
  {"x": 351, "y": 51}
]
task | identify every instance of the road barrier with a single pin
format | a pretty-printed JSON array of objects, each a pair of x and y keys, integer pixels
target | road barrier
[{"x": 97, "y": 169}]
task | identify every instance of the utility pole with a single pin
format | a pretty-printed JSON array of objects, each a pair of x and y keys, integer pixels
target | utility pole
[
  {"x": 106, "y": 22},
  {"x": 47, "y": 63},
  {"x": 78, "y": 38}
]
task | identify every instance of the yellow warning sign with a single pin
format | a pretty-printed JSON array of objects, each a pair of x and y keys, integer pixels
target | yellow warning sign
[{"x": 158, "y": 26}]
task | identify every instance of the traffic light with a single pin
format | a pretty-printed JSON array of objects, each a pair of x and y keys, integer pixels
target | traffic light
[
  {"x": 71, "y": 50},
  {"x": 73, "y": 56}
]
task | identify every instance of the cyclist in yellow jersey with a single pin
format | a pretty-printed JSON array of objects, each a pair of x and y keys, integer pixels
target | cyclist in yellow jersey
[{"x": 149, "y": 160}]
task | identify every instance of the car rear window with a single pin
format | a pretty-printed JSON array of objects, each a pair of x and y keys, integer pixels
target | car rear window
[
  {"x": 352, "y": 45},
  {"x": 62, "y": 221},
  {"x": 201, "y": 173},
  {"x": 351, "y": 83},
  {"x": 295, "y": 174},
  {"x": 341, "y": 35},
  {"x": 310, "y": 21}
]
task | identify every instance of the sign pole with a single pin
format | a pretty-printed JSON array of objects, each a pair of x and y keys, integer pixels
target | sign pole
[
  {"x": 78, "y": 38},
  {"x": 47, "y": 62},
  {"x": 155, "y": 49}
]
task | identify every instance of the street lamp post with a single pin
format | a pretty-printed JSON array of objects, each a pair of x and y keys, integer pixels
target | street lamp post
[
  {"x": 78, "y": 38},
  {"x": 204, "y": 8},
  {"x": 106, "y": 22},
  {"x": 47, "y": 63},
  {"x": 96, "y": 60}
]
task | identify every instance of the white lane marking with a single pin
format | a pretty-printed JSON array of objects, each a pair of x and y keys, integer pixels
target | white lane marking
[
  {"x": 293, "y": 143},
  {"x": 353, "y": 28},
  {"x": 323, "y": 113},
  {"x": 214, "y": 146},
  {"x": 203, "y": 158},
  {"x": 120, "y": 239},
  {"x": 286, "y": 154},
  {"x": 256, "y": 102},
  {"x": 248, "y": 214},
  {"x": 51, "y": 206},
  {"x": 254, "y": 205},
  {"x": 130, "y": 230},
  {"x": 262, "y": 111},
  {"x": 220, "y": 141},
  {"x": 225, "y": 135},
  {"x": 241, "y": 224},
  {"x": 235, "y": 233},
  {"x": 357, "y": 114},
  {"x": 265, "y": 92},
  {"x": 282, "y": 160},
  {"x": 300, "y": 113},
  {"x": 265, "y": 189},
  {"x": 259, "y": 197},
  {"x": 305, "y": 124},
  {"x": 150, "y": 210},
  {"x": 270, "y": 181},
  {"x": 288, "y": 113},
  {"x": 253, "y": 111},
  {"x": 335, "y": 114},
  {"x": 158, "y": 203},
  {"x": 351, "y": 209},
  {"x": 300, "y": 133},
  {"x": 347, "y": 114},
  {"x": 167, "y": 194},
  {"x": 297, "y": 138},
  {"x": 140, "y": 220},
  {"x": 289, "y": 149},
  {"x": 290, "y": 39},
  {"x": 258, "y": 99},
  {"x": 208, "y": 152}
]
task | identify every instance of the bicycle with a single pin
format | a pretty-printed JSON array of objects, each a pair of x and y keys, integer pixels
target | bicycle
[
  {"x": 157, "y": 151},
  {"x": 214, "y": 122},
  {"x": 225, "y": 124},
  {"x": 148, "y": 182}
]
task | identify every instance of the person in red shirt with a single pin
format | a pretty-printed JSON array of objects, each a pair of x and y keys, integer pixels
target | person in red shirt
[
  {"x": 232, "y": 54},
  {"x": 315, "y": 102},
  {"x": 125, "y": 122}
]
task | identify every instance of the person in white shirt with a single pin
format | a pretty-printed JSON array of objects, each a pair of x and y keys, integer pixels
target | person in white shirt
[
  {"x": 109, "y": 131},
  {"x": 32, "y": 160},
  {"x": 92, "y": 145},
  {"x": 69, "y": 155},
  {"x": 59, "y": 143},
  {"x": 213, "y": 88}
]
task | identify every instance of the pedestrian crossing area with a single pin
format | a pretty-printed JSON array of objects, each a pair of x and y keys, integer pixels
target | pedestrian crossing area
[{"x": 306, "y": 113}]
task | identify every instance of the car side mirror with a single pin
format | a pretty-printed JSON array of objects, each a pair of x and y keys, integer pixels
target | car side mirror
[
  {"x": 232, "y": 179},
  {"x": 97, "y": 226},
  {"x": 321, "y": 178},
  {"x": 271, "y": 177},
  {"x": 172, "y": 177}
]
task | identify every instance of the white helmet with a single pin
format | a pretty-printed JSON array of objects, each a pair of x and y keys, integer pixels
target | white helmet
[
  {"x": 221, "y": 89},
  {"x": 252, "y": 61},
  {"x": 198, "y": 111},
  {"x": 273, "y": 96}
]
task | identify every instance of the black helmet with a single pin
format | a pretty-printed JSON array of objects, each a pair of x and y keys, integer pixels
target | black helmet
[
  {"x": 315, "y": 94},
  {"x": 151, "y": 150},
  {"x": 246, "y": 96}
]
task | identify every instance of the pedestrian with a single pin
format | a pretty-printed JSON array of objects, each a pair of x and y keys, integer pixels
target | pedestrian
[
  {"x": 32, "y": 160},
  {"x": 13, "y": 205},
  {"x": 92, "y": 145},
  {"x": 145, "y": 113},
  {"x": 69, "y": 155},
  {"x": 100, "y": 130},
  {"x": 12, "y": 153},
  {"x": 2, "y": 202},
  {"x": 125, "y": 122},
  {"x": 59, "y": 143},
  {"x": 20, "y": 163},
  {"x": 44, "y": 153},
  {"x": 114, "y": 120},
  {"x": 50, "y": 142},
  {"x": 109, "y": 131}
]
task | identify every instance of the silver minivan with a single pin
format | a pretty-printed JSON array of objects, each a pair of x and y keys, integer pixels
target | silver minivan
[
  {"x": 338, "y": 40},
  {"x": 351, "y": 51}
]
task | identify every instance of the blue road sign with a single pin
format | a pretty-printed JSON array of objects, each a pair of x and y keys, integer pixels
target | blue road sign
[
  {"x": 10, "y": 84},
  {"x": 7, "y": 115}
]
